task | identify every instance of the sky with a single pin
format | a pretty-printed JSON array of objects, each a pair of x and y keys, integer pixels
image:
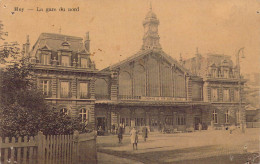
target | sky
[{"x": 115, "y": 26}]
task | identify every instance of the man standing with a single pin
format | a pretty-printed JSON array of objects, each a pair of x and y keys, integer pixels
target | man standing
[
  {"x": 145, "y": 133},
  {"x": 134, "y": 138},
  {"x": 120, "y": 134}
]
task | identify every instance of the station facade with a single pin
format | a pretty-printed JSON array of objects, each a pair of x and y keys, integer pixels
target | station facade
[{"x": 149, "y": 88}]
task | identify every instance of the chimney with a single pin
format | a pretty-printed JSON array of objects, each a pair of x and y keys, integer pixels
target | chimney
[{"x": 87, "y": 42}]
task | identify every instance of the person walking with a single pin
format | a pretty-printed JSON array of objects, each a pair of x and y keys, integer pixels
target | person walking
[
  {"x": 145, "y": 133},
  {"x": 120, "y": 134},
  {"x": 134, "y": 137}
]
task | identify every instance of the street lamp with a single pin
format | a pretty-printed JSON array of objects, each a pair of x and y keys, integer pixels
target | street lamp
[{"x": 239, "y": 85}]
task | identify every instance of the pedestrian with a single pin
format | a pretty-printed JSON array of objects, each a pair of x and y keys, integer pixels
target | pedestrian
[
  {"x": 113, "y": 129},
  {"x": 120, "y": 134},
  {"x": 200, "y": 127},
  {"x": 145, "y": 133},
  {"x": 134, "y": 138}
]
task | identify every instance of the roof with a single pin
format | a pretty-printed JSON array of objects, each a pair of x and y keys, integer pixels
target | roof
[
  {"x": 142, "y": 53},
  {"x": 54, "y": 42}
]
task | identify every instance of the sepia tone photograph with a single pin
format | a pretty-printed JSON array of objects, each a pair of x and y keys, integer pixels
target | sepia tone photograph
[{"x": 129, "y": 82}]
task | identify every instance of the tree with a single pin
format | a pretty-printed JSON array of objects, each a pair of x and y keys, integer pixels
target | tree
[
  {"x": 8, "y": 51},
  {"x": 23, "y": 110}
]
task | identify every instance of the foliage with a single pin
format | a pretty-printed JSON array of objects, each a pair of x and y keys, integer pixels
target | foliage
[
  {"x": 8, "y": 51},
  {"x": 23, "y": 110}
]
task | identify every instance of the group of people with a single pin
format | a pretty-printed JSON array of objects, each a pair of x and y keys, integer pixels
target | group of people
[{"x": 133, "y": 135}]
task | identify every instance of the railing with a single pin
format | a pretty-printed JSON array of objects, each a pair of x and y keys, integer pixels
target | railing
[
  {"x": 50, "y": 149},
  {"x": 128, "y": 97},
  {"x": 66, "y": 95},
  {"x": 222, "y": 76},
  {"x": 147, "y": 98},
  {"x": 102, "y": 97},
  {"x": 84, "y": 95},
  {"x": 253, "y": 124}
]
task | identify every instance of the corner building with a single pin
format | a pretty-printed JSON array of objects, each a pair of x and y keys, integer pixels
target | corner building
[{"x": 65, "y": 73}]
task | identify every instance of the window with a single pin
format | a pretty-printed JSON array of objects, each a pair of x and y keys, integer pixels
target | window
[
  {"x": 238, "y": 116},
  {"x": 83, "y": 90},
  {"x": 65, "y": 89},
  {"x": 139, "y": 122},
  {"x": 181, "y": 120},
  {"x": 83, "y": 115},
  {"x": 213, "y": 73},
  {"x": 215, "y": 117},
  {"x": 236, "y": 95},
  {"x": 64, "y": 110},
  {"x": 226, "y": 74},
  {"x": 169, "y": 120},
  {"x": 65, "y": 61},
  {"x": 84, "y": 63},
  {"x": 154, "y": 122},
  {"x": 227, "y": 117},
  {"x": 45, "y": 87},
  {"x": 226, "y": 96},
  {"x": 125, "y": 121},
  {"x": 45, "y": 59},
  {"x": 214, "y": 94}
]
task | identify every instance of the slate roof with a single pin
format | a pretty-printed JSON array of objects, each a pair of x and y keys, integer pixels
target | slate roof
[{"x": 54, "y": 42}]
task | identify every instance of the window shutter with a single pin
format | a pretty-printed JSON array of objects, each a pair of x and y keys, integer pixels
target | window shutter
[
  {"x": 49, "y": 59},
  {"x": 50, "y": 87},
  {"x": 218, "y": 94},
  {"x": 70, "y": 90},
  {"x": 41, "y": 85}
]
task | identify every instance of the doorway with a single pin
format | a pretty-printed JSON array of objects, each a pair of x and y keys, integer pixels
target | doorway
[
  {"x": 197, "y": 121},
  {"x": 101, "y": 123}
]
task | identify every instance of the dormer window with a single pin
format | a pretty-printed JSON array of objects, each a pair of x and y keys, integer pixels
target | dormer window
[
  {"x": 45, "y": 60},
  {"x": 84, "y": 63},
  {"x": 214, "y": 72},
  {"x": 226, "y": 73},
  {"x": 65, "y": 60}
]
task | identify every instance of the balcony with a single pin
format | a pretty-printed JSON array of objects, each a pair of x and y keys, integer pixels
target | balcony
[
  {"x": 84, "y": 95},
  {"x": 65, "y": 95},
  {"x": 128, "y": 97},
  {"x": 102, "y": 97},
  {"x": 147, "y": 98}
]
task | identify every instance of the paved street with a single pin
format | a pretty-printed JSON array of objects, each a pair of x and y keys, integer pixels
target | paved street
[{"x": 197, "y": 147}]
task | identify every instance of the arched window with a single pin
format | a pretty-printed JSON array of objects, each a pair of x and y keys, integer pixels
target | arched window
[
  {"x": 139, "y": 80},
  {"x": 101, "y": 89},
  {"x": 166, "y": 79},
  {"x": 180, "y": 86},
  {"x": 227, "y": 116},
  {"x": 215, "y": 116},
  {"x": 125, "y": 85},
  {"x": 64, "y": 110},
  {"x": 153, "y": 78},
  {"x": 83, "y": 113}
]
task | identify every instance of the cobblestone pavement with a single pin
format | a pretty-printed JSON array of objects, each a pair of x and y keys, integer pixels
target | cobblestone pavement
[{"x": 197, "y": 147}]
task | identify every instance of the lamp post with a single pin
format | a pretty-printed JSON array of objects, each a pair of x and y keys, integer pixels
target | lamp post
[{"x": 239, "y": 85}]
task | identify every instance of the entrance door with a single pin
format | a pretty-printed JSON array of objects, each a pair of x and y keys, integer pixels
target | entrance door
[
  {"x": 197, "y": 121},
  {"x": 155, "y": 124},
  {"x": 101, "y": 123}
]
